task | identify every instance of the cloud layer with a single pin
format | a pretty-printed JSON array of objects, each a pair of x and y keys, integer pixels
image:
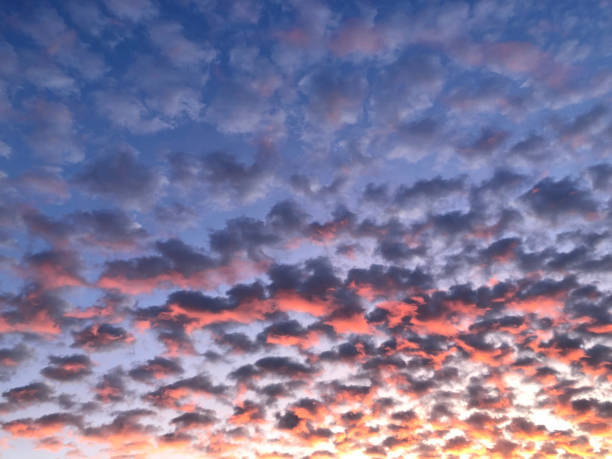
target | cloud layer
[{"x": 305, "y": 229}]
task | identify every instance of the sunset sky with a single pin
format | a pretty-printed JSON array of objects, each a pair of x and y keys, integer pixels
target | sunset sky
[{"x": 269, "y": 229}]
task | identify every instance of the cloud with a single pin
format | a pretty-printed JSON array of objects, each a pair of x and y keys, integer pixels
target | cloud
[
  {"x": 408, "y": 85},
  {"x": 45, "y": 182},
  {"x": 173, "y": 394},
  {"x": 415, "y": 140},
  {"x": 128, "y": 112},
  {"x": 553, "y": 199},
  {"x": 191, "y": 420},
  {"x": 11, "y": 357},
  {"x": 485, "y": 144},
  {"x": 54, "y": 269},
  {"x": 89, "y": 17},
  {"x": 532, "y": 148},
  {"x": 32, "y": 310},
  {"x": 122, "y": 177},
  {"x": 67, "y": 368},
  {"x": 138, "y": 11},
  {"x": 236, "y": 108},
  {"x": 33, "y": 393},
  {"x": 429, "y": 189},
  {"x": 600, "y": 176},
  {"x": 178, "y": 49},
  {"x": 43, "y": 426},
  {"x": 227, "y": 179},
  {"x": 282, "y": 366},
  {"x": 5, "y": 150},
  {"x": 358, "y": 37},
  {"x": 51, "y": 131},
  {"x": 176, "y": 264},
  {"x": 334, "y": 99},
  {"x": 108, "y": 228},
  {"x": 156, "y": 368},
  {"x": 101, "y": 337},
  {"x": 159, "y": 97},
  {"x": 344, "y": 230},
  {"x": 111, "y": 388}
]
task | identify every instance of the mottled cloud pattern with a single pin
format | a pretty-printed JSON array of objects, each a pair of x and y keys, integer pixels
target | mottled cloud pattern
[{"x": 305, "y": 229}]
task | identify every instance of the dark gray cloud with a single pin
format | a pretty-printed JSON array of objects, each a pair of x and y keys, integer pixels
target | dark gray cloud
[
  {"x": 601, "y": 176},
  {"x": 487, "y": 142},
  {"x": 68, "y": 368},
  {"x": 165, "y": 396},
  {"x": 531, "y": 148},
  {"x": 242, "y": 234},
  {"x": 109, "y": 228},
  {"x": 428, "y": 189},
  {"x": 190, "y": 420},
  {"x": 112, "y": 388},
  {"x": 226, "y": 178},
  {"x": 11, "y": 357},
  {"x": 156, "y": 368},
  {"x": 554, "y": 199},
  {"x": 33, "y": 393},
  {"x": 123, "y": 177},
  {"x": 101, "y": 336}
]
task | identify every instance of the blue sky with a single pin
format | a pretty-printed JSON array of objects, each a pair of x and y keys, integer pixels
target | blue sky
[{"x": 308, "y": 229}]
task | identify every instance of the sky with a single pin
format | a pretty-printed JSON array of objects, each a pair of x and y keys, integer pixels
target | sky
[{"x": 269, "y": 229}]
